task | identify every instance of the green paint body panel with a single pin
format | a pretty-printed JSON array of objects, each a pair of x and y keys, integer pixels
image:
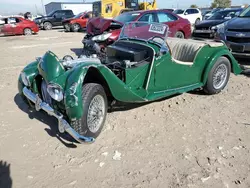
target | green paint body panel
[{"x": 161, "y": 78}]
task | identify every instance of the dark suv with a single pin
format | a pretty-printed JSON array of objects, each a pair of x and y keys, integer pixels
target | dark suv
[
  {"x": 54, "y": 18},
  {"x": 236, "y": 34}
]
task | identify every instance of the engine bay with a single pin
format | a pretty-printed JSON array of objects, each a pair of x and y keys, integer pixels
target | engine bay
[{"x": 120, "y": 56}]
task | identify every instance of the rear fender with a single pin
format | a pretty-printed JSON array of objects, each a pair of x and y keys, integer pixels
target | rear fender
[{"x": 235, "y": 68}]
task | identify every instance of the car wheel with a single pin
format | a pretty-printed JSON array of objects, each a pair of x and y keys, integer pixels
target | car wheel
[
  {"x": 76, "y": 27},
  {"x": 197, "y": 21},
  {"x": 179, "y": 34},
  {"x": 27, "y": 31},
  {"x": 218, "y": 76},
  {"x": 47, "y": 26},
  {"x": 94, "y": 101},
  {"x": 67, "y": 27}
]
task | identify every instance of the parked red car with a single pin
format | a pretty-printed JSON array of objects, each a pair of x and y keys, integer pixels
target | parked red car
[
  {"x": 103, "y": 32},
  {"x": 17, "y": 26},
  {"x": 78, "y": 22},
  {"x": 178, "y": 27}
]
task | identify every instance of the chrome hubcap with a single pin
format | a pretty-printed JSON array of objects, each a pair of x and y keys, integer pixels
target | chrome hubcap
[
  {"x": 47, "y": 26},
  {"x": 220, "y": 76},
  {"x": 76, "y": 27},
  {"x": 96, "y": 112},
  {"x": 27, "y": 32}
]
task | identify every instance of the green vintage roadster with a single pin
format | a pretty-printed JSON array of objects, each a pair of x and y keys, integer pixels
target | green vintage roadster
[{"x": 140, "y": 67}]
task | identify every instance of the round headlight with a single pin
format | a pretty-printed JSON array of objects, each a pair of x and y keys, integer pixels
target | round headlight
[
  {"x": 25, "y": 79},
  {"x": 55, "y": 91}
]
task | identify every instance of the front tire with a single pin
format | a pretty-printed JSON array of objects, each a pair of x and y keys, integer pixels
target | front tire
[
  {"x": 27, "y": 31},
  {"x": 198, "y": 20},
  {"x": 47, "y": 26},
  {"x": 95, "y": 104},
  {"x": 76, "y": 27},
  {"x": 218, "y": 76}
]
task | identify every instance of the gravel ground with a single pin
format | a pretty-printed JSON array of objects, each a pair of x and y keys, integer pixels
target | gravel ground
[{"x": 191, "y": 140}]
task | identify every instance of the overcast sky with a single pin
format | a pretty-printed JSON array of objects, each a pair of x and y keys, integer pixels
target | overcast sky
[{"x": 16, "y": 6}]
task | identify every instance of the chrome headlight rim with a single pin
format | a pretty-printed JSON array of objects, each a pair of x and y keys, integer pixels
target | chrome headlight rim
[
  {"x": 25, "y": 79},
  {"x": 56, "y": 96}
]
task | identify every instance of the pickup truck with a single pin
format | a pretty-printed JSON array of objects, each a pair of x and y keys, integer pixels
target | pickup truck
[{"x": 54, "y": 18}]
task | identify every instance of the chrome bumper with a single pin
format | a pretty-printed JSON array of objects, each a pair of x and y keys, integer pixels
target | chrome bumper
[{"x": 63, "y": 125}]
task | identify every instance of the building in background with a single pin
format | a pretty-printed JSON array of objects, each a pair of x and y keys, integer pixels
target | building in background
[{"x": 76, "y": 7}]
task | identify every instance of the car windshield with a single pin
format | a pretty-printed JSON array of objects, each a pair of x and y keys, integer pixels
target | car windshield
[
  {"x": 155, "y": 32},
  {"x": 218, "y": 16},
  {"x": 245, "y": 13},
  {"x": 78, "y": 15},
  {"x": 178, "y": 11},
  {"x": 51, "y": 13},
  {"x": 126, "y": 17}
]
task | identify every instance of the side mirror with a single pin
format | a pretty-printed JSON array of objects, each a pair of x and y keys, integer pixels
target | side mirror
[{"x": 185, "y": 13}]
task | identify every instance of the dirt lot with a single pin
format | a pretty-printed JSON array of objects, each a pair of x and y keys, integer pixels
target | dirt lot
[{"x": 191, "y": 140}]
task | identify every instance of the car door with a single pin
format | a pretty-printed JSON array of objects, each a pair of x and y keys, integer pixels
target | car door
[
  {"x": 57, "y": 20},
  {"x": 7, "y": 28},
  {"x": 189, "y": 14},
  {"x": 84, "y": 19},
  {"x": 168, "y": 19},
  {"x": 148, "y": 17},
  {"x": 17, "y": 26},
  {"x": 167, "y": 75}
]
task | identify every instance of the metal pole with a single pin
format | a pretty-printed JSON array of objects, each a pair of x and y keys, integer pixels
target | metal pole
[{"x": 43, "y": 7}]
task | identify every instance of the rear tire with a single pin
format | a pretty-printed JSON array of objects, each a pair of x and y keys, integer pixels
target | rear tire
[
  {"x": 47, "y": 26},
  {"x": 179, "y": 34},
  {"x": 95, "y": 104},
  {"x": 218, "y": 76},
  {"x": 67, "y": 27},
  {"x": 27, "y": 31}
]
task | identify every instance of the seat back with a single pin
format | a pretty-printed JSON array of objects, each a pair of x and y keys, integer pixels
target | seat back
[{"x": 184, "y": 50}]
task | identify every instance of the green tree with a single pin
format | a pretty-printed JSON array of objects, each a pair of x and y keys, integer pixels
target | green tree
[
  {"x": 193, "y": 6},
  {"x": 221, "y": 3}
]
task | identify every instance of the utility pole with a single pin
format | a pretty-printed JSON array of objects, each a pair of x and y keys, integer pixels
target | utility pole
[{"x": 43, "y": 7}]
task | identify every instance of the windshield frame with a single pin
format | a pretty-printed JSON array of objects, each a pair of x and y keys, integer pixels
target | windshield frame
[
  {"x": 163, "y": 37},
  {"x": 244, "y": 12}
]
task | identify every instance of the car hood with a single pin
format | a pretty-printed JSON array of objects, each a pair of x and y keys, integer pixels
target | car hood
[
  {"x": 238, "y": 23},
  {"x": 209, "y": 23},
  {"x": 42, "y": 17},
  {"x": 98, "y": 25},
  {"x": 68, "y": 19}
]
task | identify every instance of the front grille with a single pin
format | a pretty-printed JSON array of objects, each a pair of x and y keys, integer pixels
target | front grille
[
  {"x": 202, "y": 28},
  {"x": 203, "y": 35},
  {"x": 45, "y": 95},
  {"x": 97, "y": 31},
  {"x": 238, "y": 40},
  {"x": 239, "y": 30}
]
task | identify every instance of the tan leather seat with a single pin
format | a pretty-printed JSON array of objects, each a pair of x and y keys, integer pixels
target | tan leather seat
[{"x": 184, "y": 50}]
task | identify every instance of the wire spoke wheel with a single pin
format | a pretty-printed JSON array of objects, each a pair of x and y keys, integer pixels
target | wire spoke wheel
[
  {"x": 96, "y": 112},
  {"x": 220, "y": 76}
]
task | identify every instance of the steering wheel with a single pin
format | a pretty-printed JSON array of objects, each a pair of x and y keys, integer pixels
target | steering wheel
[{"x": 157, "y": 39}]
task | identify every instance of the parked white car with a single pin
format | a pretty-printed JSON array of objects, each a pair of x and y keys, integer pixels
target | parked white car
[{"x": 192, "y": 14}]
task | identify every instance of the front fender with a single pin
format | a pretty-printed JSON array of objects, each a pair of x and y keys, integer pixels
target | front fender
[
  {"x": 73, "y": 93},
  {"x": 234, "y": 64},
  {"x": 73, "y": 89}
]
